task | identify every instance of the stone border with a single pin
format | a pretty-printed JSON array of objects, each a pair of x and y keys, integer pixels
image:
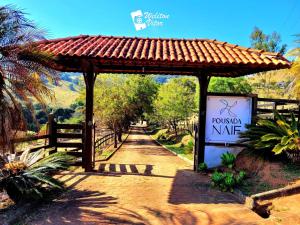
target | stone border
[
  {"x": 251, "y": 201},
  {"x": 181, "y": 157}
]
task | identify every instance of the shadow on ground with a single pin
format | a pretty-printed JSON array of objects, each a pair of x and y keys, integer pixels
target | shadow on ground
[{"x": 190, "y": 187}]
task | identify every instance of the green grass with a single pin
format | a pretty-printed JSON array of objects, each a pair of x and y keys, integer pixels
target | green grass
[
  {"x": 291, "y": 171},
  {"x": 181, "y": 145},
  {"x": 255, "y": 185}
]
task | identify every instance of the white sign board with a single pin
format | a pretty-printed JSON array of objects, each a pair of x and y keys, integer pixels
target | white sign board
[{"x": 226, "y": 116}]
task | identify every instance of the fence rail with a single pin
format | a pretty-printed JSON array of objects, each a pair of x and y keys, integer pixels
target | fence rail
[
  {"x": 264, "y": 107},
  {"x": 58, "y": 136},
  {"x": 103, "y": 141}
]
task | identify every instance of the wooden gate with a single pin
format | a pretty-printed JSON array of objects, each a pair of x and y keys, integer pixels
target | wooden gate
[{"x": 62, "y": 137}]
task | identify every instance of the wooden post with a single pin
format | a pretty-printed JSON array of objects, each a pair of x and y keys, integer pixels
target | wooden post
[
  {"x": 195, "y": 129},
  {"x": 115, "y": 140},
  {"x": 254, "y": 108},
  {"x": 89, "y": 79},
  {"x": 52, "y": 130},
  {"x": 203, "y": 83}
]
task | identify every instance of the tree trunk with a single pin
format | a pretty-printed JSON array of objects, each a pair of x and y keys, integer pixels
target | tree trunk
[
  {"x": 115, "y": 139},
  {"x": 120, "y": 136}
]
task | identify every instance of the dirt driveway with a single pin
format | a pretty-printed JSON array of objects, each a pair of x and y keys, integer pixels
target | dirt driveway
[{"x": 143, "y": 184}]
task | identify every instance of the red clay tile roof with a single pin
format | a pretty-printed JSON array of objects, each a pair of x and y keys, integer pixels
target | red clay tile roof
[{"x": 158, "y": 55}]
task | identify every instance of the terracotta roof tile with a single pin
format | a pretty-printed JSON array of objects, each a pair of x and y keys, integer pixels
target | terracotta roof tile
[{"x": 186, "y": 52}]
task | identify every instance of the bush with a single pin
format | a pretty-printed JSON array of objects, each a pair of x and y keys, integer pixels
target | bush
[
  {"x": 226, "y": 181},
  {"x": 228, "y": 159},
  {"x": 202, "y": 167},
  {"x": 29, "y": 177},
  {"x": 273, "y": 135}
]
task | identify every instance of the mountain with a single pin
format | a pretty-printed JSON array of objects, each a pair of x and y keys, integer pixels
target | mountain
[{"x": 66, "y": 90}]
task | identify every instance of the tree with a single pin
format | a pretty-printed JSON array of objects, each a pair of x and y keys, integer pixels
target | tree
[
  {"x": 269, "y": 43},
  {"x": 296, "y": 66},
  {"x": 142, "y": 91},
  {"x": 121, "y": 99},
  {"x": 175, "y": 101},
  {"x": 238, "y": 85},
  {"x": 21, "y": 71}
]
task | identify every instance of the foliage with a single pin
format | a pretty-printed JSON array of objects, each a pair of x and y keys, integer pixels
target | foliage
[
  {"x": 267, "y": 42},
  {"x": 29, "y": 177},
  {"x": 238, "y": 85},
  {"x": 273, "y": 84},
  {"x": 270, "y": 43},
  {"x": 202, "y": 167},
  {"x": 276, "y": 135},
  {"x": 228, "y": 159},
  {"x": 296, "y": 66},
  {"x": 182, "y": 144},
  {"x": 21, "y": 71},
  {"x": 175, "y": 102},
  {"x": 226, "y": 181},
  {"x": 121, "y": 99}
]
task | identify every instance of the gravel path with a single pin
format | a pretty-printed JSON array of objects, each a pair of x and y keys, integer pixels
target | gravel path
[{"x": 143, "y": 184}]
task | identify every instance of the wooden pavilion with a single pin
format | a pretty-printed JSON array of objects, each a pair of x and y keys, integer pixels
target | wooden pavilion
[{"x": 202, "y": 58}]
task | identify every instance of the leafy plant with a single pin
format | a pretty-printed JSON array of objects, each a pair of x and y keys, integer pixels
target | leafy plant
[
  {"x": 22, "y": 72},
  {"x": 240, "y": 177},
  {"x": 228, "y": 159},
  {"x": 28, "y": 177},
  {"x": 228, "y": 180},
  {"x": 278, "y": 134},
  {"x": 202, "y": 167},
  {"x": 216, "y": 178}
]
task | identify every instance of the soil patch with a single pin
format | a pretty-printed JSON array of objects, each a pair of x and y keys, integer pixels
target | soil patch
[{"x": 265, "y": 175}]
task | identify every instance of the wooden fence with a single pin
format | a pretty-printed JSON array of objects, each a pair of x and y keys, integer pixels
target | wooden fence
[
  {"x": 264, "y": 107},
  {"x": 70, "y": 137}
]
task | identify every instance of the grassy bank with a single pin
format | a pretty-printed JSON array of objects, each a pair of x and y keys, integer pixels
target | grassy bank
[{"x": 182, "y": 144}]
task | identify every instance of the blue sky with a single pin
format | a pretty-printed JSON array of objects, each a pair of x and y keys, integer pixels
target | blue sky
[{"x": 224, "y": 20}]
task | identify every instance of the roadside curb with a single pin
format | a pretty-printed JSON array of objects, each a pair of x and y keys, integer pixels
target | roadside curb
[
  {"x": 181, "y": 157},
  {"x": 280, "y": 192},
  {"x": 251, "y": 201}
]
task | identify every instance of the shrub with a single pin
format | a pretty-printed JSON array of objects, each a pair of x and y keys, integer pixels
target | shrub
[
  {"x": 228, "y": 159},
  {"x": 240, "y": 177},
  {"x": 202, "y": 167},
  {"x": 216, "y": 178},
  {"x": 273, "y": 135},
  {"x": 28, "y": 177},
  {"x": 228, "y": 180}
]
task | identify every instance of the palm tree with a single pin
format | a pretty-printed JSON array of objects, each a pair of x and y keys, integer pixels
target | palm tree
[
  {"x": 296, "y": 65},
  {"x": 22, "y": 71}
]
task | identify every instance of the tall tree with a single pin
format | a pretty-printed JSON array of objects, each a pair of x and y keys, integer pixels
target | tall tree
[
  {"x": 121, "y": 99},
  {"x": 175, "y": 101},
  {"x": 229, "y": 85},
  {"x": 21, "y": 71},
  {"x": 296, "y": 65},
  {"x": 267, "y": 42},
  {"x": 142, "y": 92}
]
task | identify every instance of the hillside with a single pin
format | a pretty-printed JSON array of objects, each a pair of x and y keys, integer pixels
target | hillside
[
  {"x": 273, "y": 84},
  {"x": 66, "y": 91}
]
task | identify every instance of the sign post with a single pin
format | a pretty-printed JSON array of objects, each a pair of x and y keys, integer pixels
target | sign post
[{"x": 226, "y": 117}]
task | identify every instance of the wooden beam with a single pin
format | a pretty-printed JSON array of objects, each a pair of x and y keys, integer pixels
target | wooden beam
[
  {"x": 89, "y": 79},
  {"x": 199, "y": 154}
]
